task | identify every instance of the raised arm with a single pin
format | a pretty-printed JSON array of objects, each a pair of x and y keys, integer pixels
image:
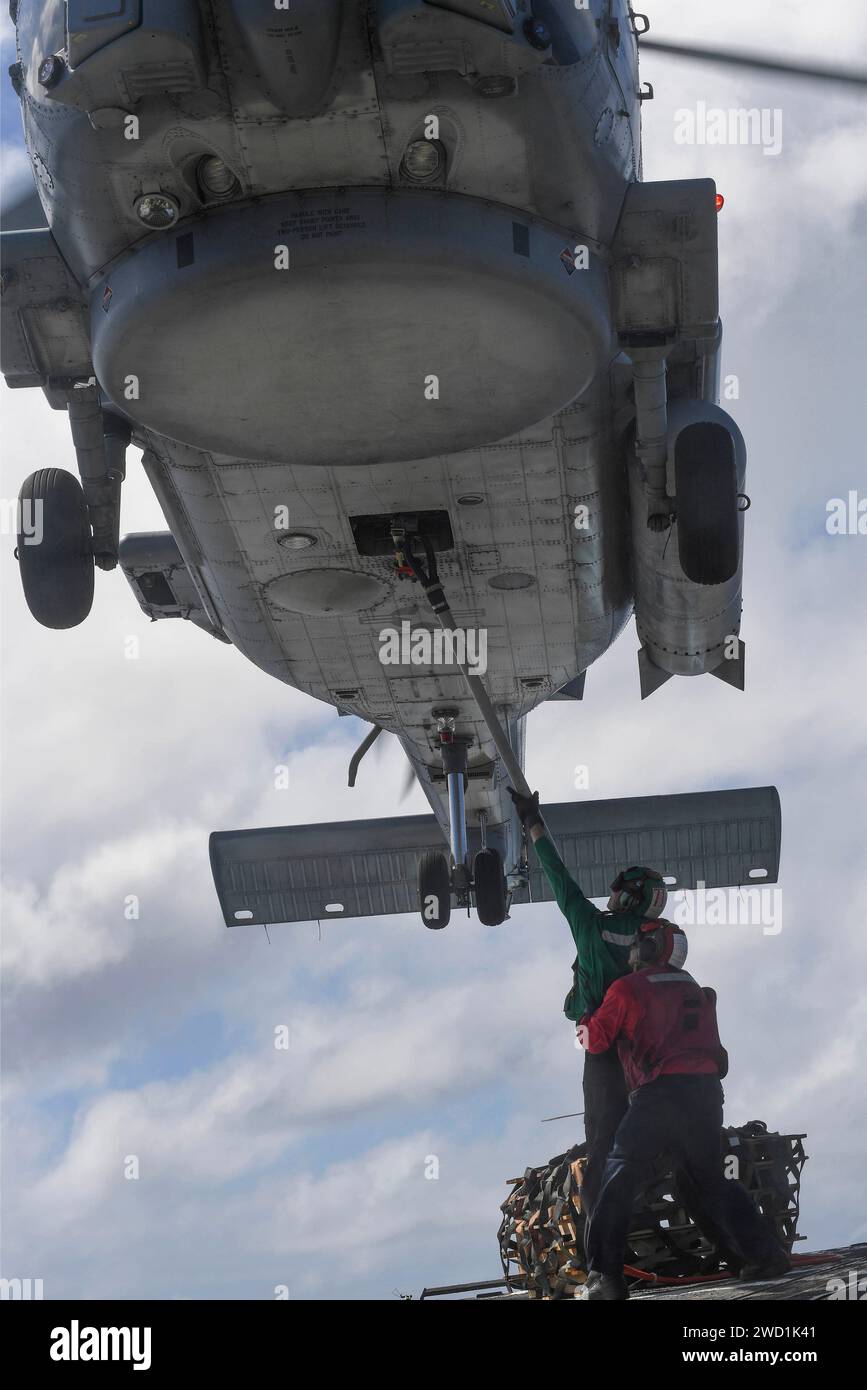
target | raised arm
[{"x": 582, "y": 916}]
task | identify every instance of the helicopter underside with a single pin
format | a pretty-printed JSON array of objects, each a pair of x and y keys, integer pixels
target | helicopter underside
[
  {"x": 350, "y": 327},
  {"x": 339, "y": 624}
]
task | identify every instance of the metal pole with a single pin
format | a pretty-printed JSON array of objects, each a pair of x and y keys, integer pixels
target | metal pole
[
  {"x": 437, "y": 599},
  {"x": 457, "y": 818},
  {"x": 489, "y": 714}
]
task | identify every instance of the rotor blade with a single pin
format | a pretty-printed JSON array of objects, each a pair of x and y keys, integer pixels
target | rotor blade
[{"x": 850, "y": 76}]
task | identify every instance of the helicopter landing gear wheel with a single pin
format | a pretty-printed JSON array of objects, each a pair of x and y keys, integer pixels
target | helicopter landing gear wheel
[
  {"x": 434, "y": 890},
  {"x": 489, "y": 886},
  {"x": 706, "y": 485},
  {"x": 57, "y": 569}
]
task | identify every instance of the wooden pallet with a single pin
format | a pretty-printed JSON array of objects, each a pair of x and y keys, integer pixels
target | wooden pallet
[{"x": 541, "y": 1235}]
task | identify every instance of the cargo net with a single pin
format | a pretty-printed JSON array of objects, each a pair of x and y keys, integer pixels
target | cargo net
[{"x": 541, "y": 1235}]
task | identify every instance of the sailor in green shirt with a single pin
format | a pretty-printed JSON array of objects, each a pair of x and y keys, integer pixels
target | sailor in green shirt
[{"x": 603, "y": 941}]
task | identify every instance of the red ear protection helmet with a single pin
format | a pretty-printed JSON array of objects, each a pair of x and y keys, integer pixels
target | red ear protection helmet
[{"x": 661, "y": 943}]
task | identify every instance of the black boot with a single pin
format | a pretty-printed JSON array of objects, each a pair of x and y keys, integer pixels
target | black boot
[
  {"x": 772, "y": 1268},
  {"x": 611, "y": 1288}
]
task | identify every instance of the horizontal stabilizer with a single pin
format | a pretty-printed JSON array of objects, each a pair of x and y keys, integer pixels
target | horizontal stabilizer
[
  {"x": 303, "y": 873},
  {"x": 720, "y": 839}
]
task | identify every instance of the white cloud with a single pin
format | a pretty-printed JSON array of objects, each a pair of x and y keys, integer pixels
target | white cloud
[
  {"x": 16, "y": 175},
  {"x": 85, "y": 922}
]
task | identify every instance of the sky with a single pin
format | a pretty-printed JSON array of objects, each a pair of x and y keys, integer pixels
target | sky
[{"x": 156, "y": 1142}]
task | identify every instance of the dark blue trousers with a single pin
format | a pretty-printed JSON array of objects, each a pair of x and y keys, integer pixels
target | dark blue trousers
[
  {"x": 606, "y": 1101},
  {"x": 680, "y": 1116}
]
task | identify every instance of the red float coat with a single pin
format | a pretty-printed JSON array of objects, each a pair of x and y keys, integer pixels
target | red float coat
[{"x": 664, "y": 1024}]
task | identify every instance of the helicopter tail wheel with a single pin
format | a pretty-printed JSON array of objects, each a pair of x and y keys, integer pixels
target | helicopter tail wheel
[
  {"x": 706, "y": 484},
  {"x": 55, "y": 554},
  {"x": 489, "y": 885},
  {"x": 434, "y": 890}
]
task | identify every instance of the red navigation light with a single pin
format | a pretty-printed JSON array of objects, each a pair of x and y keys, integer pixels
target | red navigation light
[{"x": 720, "y": 202}]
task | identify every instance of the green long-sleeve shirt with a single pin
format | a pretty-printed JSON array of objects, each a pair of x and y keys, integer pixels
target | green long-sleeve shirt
[{"x": 602, "y": 939}]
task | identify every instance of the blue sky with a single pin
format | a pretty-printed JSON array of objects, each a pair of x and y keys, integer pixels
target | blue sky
[{"x": 155, "y": 1038}]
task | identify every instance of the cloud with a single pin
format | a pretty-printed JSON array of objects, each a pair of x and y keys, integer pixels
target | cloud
[
  {"x": 85, "y": 921},
  {"x": 787, "y": 219},
  {"x": 16, "y": 174}
]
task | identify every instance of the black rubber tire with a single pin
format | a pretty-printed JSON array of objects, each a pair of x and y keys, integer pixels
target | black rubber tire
[
  {"x": 434, "y": 890},
  {"x": 56, "y": 574},
  {"x": 489, "y": 887},
  {"x": 706, "y": 483}
]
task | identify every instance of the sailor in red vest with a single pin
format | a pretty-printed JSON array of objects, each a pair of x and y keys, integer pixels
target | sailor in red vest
[{"x": 665, "y": 1028}]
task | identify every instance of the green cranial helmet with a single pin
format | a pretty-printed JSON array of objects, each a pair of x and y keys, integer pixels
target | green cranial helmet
[{"x": 639, "y": 890}]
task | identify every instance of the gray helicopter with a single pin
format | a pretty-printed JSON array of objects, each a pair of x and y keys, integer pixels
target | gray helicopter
[{"x": 426, "y": 379}]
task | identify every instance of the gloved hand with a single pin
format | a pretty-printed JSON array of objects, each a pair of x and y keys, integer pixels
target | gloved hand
[{"x": 527, "y": 807}]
